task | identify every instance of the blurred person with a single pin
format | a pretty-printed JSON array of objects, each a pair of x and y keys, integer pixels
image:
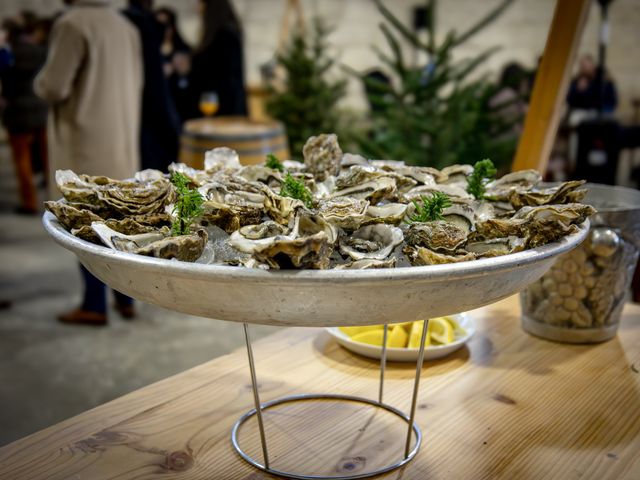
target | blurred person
[
  {"x": 511, "y": 95},
  {"x": 24, "y": 114},
  {"x": 586, "y": 92},
  {"x": 172, "y": 41},
  {"x": 180, "y": 87},
  {"x": 160, "y": 129},
  {"x": 218, "y": 62},
  {"x": 92, "y": 80}
]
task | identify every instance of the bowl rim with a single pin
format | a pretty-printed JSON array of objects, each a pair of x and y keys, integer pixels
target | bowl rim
[{"x": 473, "y": 268}]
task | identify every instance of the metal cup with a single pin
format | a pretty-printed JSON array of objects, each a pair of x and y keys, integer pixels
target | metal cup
[{"x": 580, "y": 299}]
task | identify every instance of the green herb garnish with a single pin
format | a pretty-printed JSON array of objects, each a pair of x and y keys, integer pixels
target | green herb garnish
[
  {"x": 188, "y": 206},
  {"x": 431, "y": 208},
  {"x": 274, "y": 163},
  {"x": 295, "y": 189},
  {"x": 483, "y": 172}
]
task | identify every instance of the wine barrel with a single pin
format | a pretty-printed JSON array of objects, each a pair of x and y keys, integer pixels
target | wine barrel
[{"x": 252, "y": 139}]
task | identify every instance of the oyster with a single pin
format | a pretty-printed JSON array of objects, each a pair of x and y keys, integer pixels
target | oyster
[
  {"x": 496, "y": 246},
  {"x": 566, "y": 192},
  {"x": 537, "y": 225},
  {"x": 262, "y": 174},
  {"x": 453, "y": 191},
  {"x": 322, "y": 155},
  {"x": 372, "y": 242},
  {"x": 114, "y": 197},
  {"x": 456, "y": 174},
  {"x": 375, "y": 190},
  {"x": 501, "y": 188},
  {"x": 153, "y": 244},
  {"x": 307, "y": 246},
  {"x": 392, "y": 213},
  {"x": 460, "y": 215},
  {"x": 357, "y": 175},
  {"x": 281, "y": 209},
  {"x": 424, "y": 256},
  {"x": 344, "y": 212},
  {"x": 439, "y": 235},
  {"x": 71, "y": 217}
]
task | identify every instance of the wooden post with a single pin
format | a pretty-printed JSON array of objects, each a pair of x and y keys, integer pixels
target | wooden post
[{"x": 550, "y": 89}]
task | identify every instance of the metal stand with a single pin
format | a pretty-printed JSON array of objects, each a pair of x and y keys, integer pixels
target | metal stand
[{"x": 412, "y": 427}]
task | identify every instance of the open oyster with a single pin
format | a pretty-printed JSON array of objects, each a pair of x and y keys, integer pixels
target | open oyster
[
  {"x": 372, "y": 241},
  {"x": 438, "y": 236},
  {"x": 566, "y": 192}
]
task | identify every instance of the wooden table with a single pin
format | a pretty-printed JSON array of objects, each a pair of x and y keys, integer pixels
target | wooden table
[{"x": 509, "y": 406}]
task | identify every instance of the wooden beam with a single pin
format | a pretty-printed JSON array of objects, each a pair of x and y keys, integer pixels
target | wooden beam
[{"x": 552, "y": 81}]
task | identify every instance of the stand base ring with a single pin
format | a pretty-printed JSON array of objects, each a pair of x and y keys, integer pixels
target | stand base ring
[{"x": 324, "y": 396}]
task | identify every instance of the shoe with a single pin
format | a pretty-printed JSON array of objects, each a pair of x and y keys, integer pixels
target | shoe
[
  {"x": 83, "y": 317},
  {"x": 126, "y": 311}
]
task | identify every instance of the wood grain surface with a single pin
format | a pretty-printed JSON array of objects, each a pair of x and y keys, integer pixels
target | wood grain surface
[{"x": 507, "y": 406}]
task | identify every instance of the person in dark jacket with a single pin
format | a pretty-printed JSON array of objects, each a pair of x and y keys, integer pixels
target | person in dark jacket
[
  {"x": 24, "y": 115},
  {"x": 160, "y": 128},
  {"x": 172, "y": 41},
  {"x": 218, "y": 63}
]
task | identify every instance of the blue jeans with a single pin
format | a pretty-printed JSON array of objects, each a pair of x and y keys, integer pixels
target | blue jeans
[{"x": 95, "y": 294}]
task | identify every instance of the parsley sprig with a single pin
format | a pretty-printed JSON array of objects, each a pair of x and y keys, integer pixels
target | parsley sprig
[
  {"x": 483, "y": 172},
  {"x": 431, "y": 208},
  {"x": 296, "y": 189},
  {"x": 274, "y": 163},
  {"x": 188, "y": 205}
]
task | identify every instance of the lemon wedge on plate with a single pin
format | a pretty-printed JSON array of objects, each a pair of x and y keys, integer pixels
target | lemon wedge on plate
[
  {"x": 397, "y": 337},
  {"x": 416, "y": 334},
  {"x": 441, "y": 330},
  {"x": 372, "y": 337}
]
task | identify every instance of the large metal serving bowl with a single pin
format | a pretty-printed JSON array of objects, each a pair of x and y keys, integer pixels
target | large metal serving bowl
[{"x": 314, "y": 297}]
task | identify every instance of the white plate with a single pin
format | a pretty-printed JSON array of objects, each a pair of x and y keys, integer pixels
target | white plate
[{"x": 395, "y": 354}]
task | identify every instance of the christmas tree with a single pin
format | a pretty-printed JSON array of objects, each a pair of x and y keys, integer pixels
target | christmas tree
[
  {"x": 307, "y": 102},
  {"x": 436, "y": 115}
]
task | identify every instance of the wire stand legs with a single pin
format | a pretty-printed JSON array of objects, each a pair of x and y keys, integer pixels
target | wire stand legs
[{"x": 412, "y": 427}]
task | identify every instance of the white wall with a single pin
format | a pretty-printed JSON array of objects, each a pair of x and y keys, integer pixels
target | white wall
[{"x": 521, "y": 32}]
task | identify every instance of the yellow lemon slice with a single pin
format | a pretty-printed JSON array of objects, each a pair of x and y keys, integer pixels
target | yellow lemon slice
[
  {"x": 351, "y": 331},
  {"x": 372, "y": 337},
  {"x": 440, "y": 330},
  {"x": 397, "y": 337},
  {"x": 405, "y": 325},
  {"x": 416, "y": 333},
  {"x": 457, "y": 328}
]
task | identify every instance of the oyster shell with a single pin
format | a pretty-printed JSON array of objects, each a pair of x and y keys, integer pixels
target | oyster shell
[
  {"x": 423, "y": 256},
  {"x": 392, "y": 213},
  {"x": 281, "y": 209},
  {"x": 358, "y": 175},
  {"x": 537, "y": 225},
  {"x": 114, "y": 197},
  {"x": 157, "y": 243},
  {"x": 344, "y": 212},
  {"x": 501, "y": 188},
  {"x": 71, "y": 217},
  {"x": 453, "y": 191},
  {"x": 496, "y": 246},
  {"x": 439, "y": 236},
  {"x": 566, "y": 192},
  {"x": 456, "y": 174},
  {"x": 375, "y": 190},
  {"x": 371, "y": 241},
  {"x": 322, "y": 155}
]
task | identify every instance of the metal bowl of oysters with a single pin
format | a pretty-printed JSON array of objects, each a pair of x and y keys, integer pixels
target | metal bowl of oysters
[
  {"x": 580, "y": 299},
  {"x": 358, "y": 248}
]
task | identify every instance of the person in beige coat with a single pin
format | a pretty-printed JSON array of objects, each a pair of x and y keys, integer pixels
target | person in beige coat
[{"x": 92, "y": 80}]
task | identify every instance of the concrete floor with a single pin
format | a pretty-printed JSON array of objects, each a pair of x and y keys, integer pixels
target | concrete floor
[{"x": 50, "y": 371}]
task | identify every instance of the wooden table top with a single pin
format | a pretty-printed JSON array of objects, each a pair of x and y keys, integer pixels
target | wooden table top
[{"x": 509, "y": 406}]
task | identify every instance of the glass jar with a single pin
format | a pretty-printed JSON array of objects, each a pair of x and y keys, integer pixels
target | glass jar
[{"x": 580, "y": 299}]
